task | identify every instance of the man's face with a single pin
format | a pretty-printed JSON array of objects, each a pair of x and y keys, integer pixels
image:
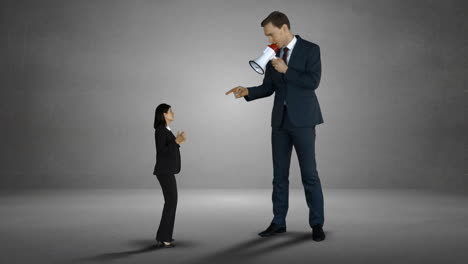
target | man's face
[{"x": 276, "y": 35}]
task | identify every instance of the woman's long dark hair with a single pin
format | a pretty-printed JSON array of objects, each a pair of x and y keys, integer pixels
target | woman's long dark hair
[{"x": 159, "y": 115}]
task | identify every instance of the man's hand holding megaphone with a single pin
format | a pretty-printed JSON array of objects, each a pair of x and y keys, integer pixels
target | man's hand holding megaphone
[
  {"x": 279, "y": 65},
  {"x": 239, "y": 91}
]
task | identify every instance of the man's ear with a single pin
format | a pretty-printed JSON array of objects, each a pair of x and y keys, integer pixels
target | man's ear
[{"x": 284, "y": 28}]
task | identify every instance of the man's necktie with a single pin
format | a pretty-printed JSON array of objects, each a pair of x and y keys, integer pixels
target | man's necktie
[
  {"x": 285, "y": 54},
  {"x": 285, "y": 58}
]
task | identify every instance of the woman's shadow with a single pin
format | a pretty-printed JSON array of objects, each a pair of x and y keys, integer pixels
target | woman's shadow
[{"x": 143, "y": 246}]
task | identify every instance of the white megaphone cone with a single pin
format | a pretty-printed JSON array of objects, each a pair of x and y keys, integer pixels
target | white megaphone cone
[{"x": 260, "y": 63}]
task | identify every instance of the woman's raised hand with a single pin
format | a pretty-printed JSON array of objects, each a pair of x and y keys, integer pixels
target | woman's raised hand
[{"x": 181, "y": 138}]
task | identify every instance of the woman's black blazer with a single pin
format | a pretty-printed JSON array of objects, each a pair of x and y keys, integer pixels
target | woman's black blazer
[{"x": 167, "y": 152}]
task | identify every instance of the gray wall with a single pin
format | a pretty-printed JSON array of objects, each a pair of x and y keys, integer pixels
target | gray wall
[{"x": 80, "y": 81}]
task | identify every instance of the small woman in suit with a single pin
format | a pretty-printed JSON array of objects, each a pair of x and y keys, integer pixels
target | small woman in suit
[{"x": 167, "y": 164}]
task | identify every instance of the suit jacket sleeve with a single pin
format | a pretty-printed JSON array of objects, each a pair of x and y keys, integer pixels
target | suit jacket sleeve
[
  {"x": 163, "y": 144},
  {"x": 310, "y": 78},
  {"x": 265, "y": 89}
]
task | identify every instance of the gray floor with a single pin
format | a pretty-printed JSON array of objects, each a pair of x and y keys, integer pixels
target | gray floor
[{"x": 220, "y": 226}]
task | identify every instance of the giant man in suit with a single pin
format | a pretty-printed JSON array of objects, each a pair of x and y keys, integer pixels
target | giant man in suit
[{"x": 293, "y": 77}]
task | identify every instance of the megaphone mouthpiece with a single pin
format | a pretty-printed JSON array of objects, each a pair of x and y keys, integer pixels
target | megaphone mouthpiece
[{"x": 274, "y": 47}]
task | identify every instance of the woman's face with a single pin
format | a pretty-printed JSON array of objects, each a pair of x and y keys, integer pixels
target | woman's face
[{"x": 169, "y": 116}]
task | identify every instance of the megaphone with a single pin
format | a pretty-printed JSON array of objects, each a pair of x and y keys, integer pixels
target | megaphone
[{"x": 260, "y": 63}]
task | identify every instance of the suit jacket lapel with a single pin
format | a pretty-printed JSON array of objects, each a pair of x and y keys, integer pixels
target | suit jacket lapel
[
  {"x": 171, "y": 135},
  {"x": 296, "y": 50}
]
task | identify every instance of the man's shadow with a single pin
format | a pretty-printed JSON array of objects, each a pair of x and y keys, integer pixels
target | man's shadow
[
  {"x": 144, "y": 246},
  {"x": 245, "y": 252}
]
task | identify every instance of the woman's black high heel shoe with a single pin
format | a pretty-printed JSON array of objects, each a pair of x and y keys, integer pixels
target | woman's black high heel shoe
[{"x": 164, "y": 245}]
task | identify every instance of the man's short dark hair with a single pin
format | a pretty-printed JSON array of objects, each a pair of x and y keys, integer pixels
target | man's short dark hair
[{"x": 276, "y": 18}]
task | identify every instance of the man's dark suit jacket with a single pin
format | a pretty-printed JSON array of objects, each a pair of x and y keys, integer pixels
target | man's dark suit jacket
[
  {"x": 296, "y": 87},
  {"x": 167, "y": 152}
]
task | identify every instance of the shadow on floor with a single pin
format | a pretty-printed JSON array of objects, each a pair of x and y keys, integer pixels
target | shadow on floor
[
  {"x": 245, "y": 252},
  {"x": 241, "y": 252}
]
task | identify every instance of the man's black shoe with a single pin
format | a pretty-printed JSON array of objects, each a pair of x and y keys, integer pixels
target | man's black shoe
[
  {"x": 273, "y": 229},
  {"x": 317, "y": 233}
]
